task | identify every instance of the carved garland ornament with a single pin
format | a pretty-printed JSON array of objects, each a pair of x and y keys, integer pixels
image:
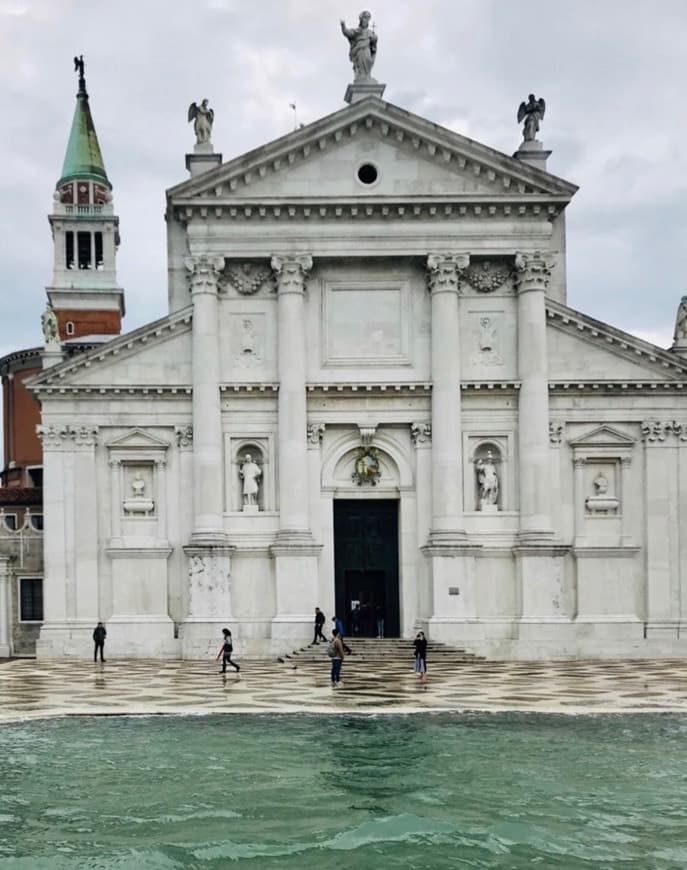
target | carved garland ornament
[
  {"x": 486, "y": 277},
  {"x": 658, "y": 430},
  {"x": 248, "y": 278},
  {"x": 56, "y": 436}
]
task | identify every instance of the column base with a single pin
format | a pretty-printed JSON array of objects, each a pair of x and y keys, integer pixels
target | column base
[
  {"x": 5, "y": 652},
  {"x": 209, "y": 538},
  {"x": 535, "y": 537},
  {"x": 209, "y": 575},
  {"x": 447, "y": 538},
  {"x": 296, "y": 557},
  {"x": 544, "y": 592}
]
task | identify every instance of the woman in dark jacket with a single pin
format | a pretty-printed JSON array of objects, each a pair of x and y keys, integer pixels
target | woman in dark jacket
[{"x": 420, "y": 644}]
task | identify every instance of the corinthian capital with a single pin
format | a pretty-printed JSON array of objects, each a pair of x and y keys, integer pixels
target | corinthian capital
[
  {"x": 205, "y": 272},
  {"x": 532, "y": 272},
  {"x": 444, "y": 271},
  {"x": 291, "y": 273}
]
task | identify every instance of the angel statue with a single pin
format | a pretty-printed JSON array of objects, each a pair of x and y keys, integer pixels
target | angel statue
[
  {"x": 202, "y": 117},
  {"x": 532, "y": 113},
  {"x": 51, "y": 332},
  {"x": 363, "y": 42}
]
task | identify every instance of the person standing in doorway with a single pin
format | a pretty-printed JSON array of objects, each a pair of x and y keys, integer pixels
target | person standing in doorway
[
  {"x": 319, "y": 622},
  {"x": 225, "y": 652},
  {"x": 420, "y": 644},
  {"x": 335, "y": 651},
  {"x": 379, "y": 616},
  {"x": 99, "y": 635}
]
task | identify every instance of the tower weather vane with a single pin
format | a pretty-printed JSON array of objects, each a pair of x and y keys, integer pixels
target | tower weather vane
[{"x": 80, "y": 67}]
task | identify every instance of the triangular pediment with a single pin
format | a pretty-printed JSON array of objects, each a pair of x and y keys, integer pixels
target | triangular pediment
[
  {"x": 582, "y": 349},
  {"x": 603, "y": 436},
  {"x": 414, "y": 158},
  {"x": 155, "y": 355},
  {"x": 138, "y": 439}
]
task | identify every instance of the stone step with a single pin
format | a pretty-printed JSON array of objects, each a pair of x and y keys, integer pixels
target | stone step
[{"x": 375, "y": 651}]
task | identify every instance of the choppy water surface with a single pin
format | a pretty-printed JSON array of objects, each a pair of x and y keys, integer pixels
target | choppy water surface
[{"x": 506, "y": 791}]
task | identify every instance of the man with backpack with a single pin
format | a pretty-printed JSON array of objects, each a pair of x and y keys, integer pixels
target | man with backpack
[{"x": 335, "y": 651}]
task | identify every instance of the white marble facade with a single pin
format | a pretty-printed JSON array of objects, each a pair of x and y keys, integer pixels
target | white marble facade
[{"x": 404, "y": 339}]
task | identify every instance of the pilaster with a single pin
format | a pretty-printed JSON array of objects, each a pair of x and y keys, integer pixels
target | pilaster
[{"x": 5, "y": 608}]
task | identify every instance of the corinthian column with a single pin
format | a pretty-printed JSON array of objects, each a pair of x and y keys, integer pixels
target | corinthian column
[
  {"x": 532, "y": 278},
  {"x": 291, "y": 275},
  {"x": 295, "y": 552},
  {"x": 208, "y": 526},
  {"x": 444, "y": 273}
]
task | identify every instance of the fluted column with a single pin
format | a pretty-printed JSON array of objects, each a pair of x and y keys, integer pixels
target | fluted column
[
  {"x": 291, "y": 275},
  {"x": 444, "y": 273},
  {"x": 532, "y": 278},
  {"x": 208, "y": 526}
]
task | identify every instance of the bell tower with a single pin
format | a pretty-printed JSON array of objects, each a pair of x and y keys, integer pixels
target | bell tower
[{"x": 84, "y": 292}]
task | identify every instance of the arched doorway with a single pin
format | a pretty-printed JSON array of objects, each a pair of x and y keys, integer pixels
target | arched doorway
[{"x": 366, "y": 565}]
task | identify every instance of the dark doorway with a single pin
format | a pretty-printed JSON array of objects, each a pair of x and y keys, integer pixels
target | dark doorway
[{"x": 366, "y": 565}]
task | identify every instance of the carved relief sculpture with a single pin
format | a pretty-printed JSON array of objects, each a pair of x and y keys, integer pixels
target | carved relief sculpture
[
  {"x": 203, "y": 117},
  {"x": 250, "y": 473},
  {"x": 248, "y": 355},
  {"x": 366, "y": 467},
  {"x": 487, "y": 484},
  {"x": 363, "y": 43},
  {"x": 248, "y": 278},
  {"x": 486, "y": 277},
  {"x": 487, "y": 356},
  {"x": 532, "y": 113}
]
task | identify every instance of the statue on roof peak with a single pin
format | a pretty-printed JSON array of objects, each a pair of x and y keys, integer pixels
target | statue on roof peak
[
  {"x": 363, "y": 42},
  {"x": 532, "y": 113},
  {"x": 80, "y": 67},
  {"x": 202, "y": 117}
]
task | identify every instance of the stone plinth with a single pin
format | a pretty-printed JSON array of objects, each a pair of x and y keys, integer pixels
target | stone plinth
[
  {"x": 203, "y": 159},
  {"x": 357, "y": 91},
  {"x": 533, "y": 153}
]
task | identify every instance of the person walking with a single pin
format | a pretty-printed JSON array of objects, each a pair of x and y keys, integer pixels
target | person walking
[
  {"x": 335, "y": 651},
  {"x": 225, "y": 652},
  {"x": 319, "y": 622},
  {"x": 379, "y": 616},
  {"x": 99, "y": 635},
  {"x": 420, "y": 644}
]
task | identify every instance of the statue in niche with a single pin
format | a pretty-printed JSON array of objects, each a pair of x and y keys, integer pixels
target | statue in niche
[
  {"x": 51, "y": 332},
  {"x": 488, "y": 483},
  {"x": 532, "y": 113},
  {"x": 203, "y": 117},
  {"x": 138, "y": 502},
  {"x": 363, "y": 42},
  {"x": 250, "y": 473}
]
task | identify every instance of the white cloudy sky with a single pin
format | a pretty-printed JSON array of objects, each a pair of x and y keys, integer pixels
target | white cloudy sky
[{"x": 613, "y": 73}]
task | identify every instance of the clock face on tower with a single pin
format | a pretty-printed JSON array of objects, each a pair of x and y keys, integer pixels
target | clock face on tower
[{"x": 83, "y": 193}]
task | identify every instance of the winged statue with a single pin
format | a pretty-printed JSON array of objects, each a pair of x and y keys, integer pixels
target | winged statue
[
  {"x": 202, "y": 116},
  {"x": 532, "y": 113}
]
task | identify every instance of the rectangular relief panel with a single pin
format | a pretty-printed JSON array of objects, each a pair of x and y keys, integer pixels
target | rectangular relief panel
[{"x": 366, "y": 323}]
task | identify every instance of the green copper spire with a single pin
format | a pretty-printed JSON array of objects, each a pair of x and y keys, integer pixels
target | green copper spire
[{"x": 83, "y": 158}]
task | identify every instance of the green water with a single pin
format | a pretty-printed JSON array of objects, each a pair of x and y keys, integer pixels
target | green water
[{"x": 501, "y": 791}]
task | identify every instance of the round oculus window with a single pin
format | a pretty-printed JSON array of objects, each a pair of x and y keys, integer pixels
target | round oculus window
[{"x": 367, "y": 174}]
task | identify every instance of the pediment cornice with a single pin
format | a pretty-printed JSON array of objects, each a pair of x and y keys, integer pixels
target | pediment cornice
[
  {"x": 666, "y": 365},
  {"x": 58, "y": 378},
  {"x": 504, "y": 177}
]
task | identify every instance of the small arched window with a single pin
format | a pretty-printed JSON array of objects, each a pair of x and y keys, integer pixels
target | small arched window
[{"x": 70, "y": 328}]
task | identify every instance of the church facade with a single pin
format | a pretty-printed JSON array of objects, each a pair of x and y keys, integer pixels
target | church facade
[{"x": 370, "y": 395}]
